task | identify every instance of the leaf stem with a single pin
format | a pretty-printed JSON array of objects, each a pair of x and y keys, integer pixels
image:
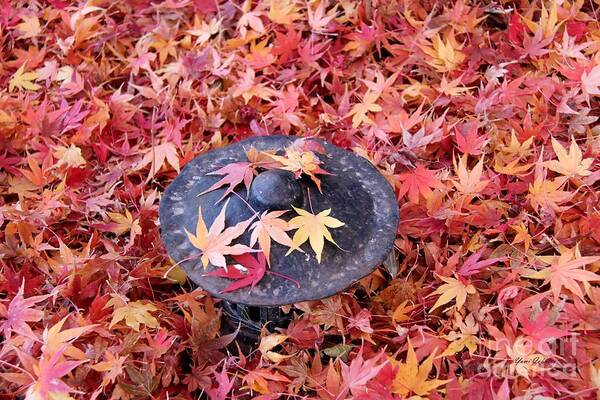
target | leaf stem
[{"x": 295, "y": 282}]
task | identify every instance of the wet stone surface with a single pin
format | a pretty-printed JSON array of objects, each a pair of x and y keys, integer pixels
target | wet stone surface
[{"x": 357, "y": 194}]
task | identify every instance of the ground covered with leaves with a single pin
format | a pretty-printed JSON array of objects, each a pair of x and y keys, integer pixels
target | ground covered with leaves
[{"x": 483, "y": 117}]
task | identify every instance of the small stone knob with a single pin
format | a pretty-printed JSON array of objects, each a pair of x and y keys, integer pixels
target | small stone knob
[{"x": 275, "y": 190}]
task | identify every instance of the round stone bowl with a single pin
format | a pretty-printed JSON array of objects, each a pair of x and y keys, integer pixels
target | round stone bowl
[{"x": 356, "y": 193}]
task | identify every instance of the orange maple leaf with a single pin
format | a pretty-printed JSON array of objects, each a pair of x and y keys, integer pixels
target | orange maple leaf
[
  {"x": 156, "y": 157},
  {"x": 271, "y": 226},
  {"x": 566, "y": 272},
  {"x": 469, "y": 182},
  {"x": 215, "y": 243}
]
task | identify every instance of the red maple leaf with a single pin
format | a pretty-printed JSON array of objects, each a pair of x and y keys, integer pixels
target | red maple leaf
[
  {"x": 7, "y": 163},
  {"x": 256, "y": 268},
  {"x": 255, "y": 271},
  {"x": 540, "y": 330},
  {"x": 467, "y": 140},
  {"x": 418, "y": 181}
]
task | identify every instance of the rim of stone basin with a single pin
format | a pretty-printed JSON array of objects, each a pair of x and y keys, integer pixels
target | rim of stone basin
[{"x": 356, "y": 193}]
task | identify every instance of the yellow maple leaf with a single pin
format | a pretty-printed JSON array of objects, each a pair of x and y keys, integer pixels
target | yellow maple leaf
[
  {"x": 569, "y": 164},
  {"x": 260, "y": 54},
  {"x": 165, "y": 48},
  {"x": 452, "y": 289},
  {"x": 452, "y": 88},
  {"x": 361, "y": 110},
  {"x": 23, "y": 80},
  {"x": 156, "y": 157},
  {"x": 414, "y": 378},
  {"x": 547, "y": 194},
  {"x": 247, "y": 87},
  {"x": 30, "y": 27},
  {"x": 283, "y": 12},
  {"x": 445, "y": 54},
  {"x": 126, "y": 223},
  {"x": 313, "y": 228},
  {"x": 512, "y": 168},
  {"x": 7, "y": 120},
  {"x": 134, "y": 313},
  {"x": 548, "y": 23},
  {"x": 469, "y": 182},
  {"x": 516, "y": 148},
  {"x": 466, "y": 337}
]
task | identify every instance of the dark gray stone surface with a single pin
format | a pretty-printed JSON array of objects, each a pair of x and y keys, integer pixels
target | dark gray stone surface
[{"x": 357, "y": 194}]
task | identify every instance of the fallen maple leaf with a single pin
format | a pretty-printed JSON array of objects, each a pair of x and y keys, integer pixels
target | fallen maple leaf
[
  {"x": 283, "y": 11},
  {"x": 134, "y": 313},
  {"x": 248, "y": 272},
  {"x": 313, "y": 228},
  {"x": 445, "y": 55},
  {"x": 466, "y": 337},
  {"x": 473, "y": 266},
  {"x": 56, "y": 340},
  {"x": 468, "y": 141},
  {"x": 234, "y": 174},
  {"x": 267, "y": 343},
  {"x": 512, "y": 168},
  {"x": 20, "y": 311},
  {"x": 318, "y": 19},
  {"x": 414, "y": 378},
  {"x": 124, "y": 223},
  {"x": 30, "y": 27},
  {"x": 301, "y": 162},
  {"x": 547, "y": 194},
  {"x": 569, "y": 164},
  {"x": 401, "y": 313},
  {"x": 540, "y": 330},
  {"x": 156, "y": 157},
  {"x": 452, "y": 289},
  {"x": 255, "y": 269},
  {"x": 48, "y": 370},
  {"x": 69, "y": 156},
  {"x": 258, "y": 379},
  {"x": 215, "y": 243},
  {"x": 360, "y": 372},
  {"x": 361, "y": 110},
  {"x": 271, "y": 226},
  {"x": 243, "y": 171},
  {"x": 224, "y": 385},
  {"x": 418, "y": 181},
  {"x": 249, "y": 19},
  {"x": 590, "y": 82},
  {"x": 522, "y": 235},
  {"x": 469, "y": 182},
  {"x": 23, "y": 80},
  {"x": 565, "y": 272},
  {"x": 113, "y": 366}
]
